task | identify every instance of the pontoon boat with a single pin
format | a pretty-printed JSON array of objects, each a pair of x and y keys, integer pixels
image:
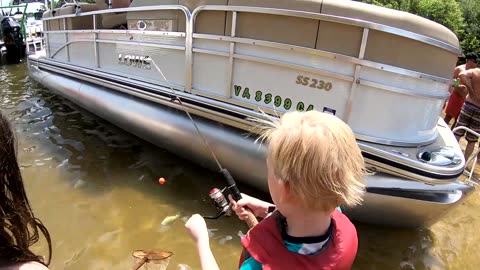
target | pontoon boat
[{"x": 384, "y": 72}]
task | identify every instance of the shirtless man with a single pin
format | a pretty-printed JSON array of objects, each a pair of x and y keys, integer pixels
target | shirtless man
[
  {"x": 470, "y": 114},
  {"x": 457, "y": 95}
]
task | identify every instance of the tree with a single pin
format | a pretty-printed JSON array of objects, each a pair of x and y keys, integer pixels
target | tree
[
  {"x": 445, "y": 12},
  {"x": 393, "y": 4},
  {"x": 471, "y": 13},
  {"x": 470, "y": 41}
]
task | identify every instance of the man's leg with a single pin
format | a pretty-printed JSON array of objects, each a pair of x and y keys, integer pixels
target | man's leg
[
  {"x": 454, "y": 123},
  {"x": 474, "y": 125},
  {"x": 463, "y": 120},
  {"x": 447, "y": 119},
  {"x": 469, "y": 149}
]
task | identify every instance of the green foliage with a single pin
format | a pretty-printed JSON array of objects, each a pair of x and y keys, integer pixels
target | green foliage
[
  {"x": 393, "y": 4},
  {"x": 470, "y": 41},
  {"x": 446, "y": 12}
]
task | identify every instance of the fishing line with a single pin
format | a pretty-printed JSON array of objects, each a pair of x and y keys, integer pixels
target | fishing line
[
  {"x": 193, "y": 122},
  {"x": 231, "y": 185},
  {"x": 215, "y": 194}
]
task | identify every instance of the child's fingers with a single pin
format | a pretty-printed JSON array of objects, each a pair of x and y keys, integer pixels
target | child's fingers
[
  {"x": 232, "y": 201},
  {"x": 242, "y": 202},
  {"x": 239, "y": 210},
  {"x": 243, "y": 216},
  {"x": 235, "y": 205}
]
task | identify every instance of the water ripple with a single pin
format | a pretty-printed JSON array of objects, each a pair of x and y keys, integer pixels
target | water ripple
[{"x": 96, "y": 188}]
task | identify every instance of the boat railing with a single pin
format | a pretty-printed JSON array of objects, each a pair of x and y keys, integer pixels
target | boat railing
[
  {"x": 347, "y": 69},
  {"x": 473, "y": 158},
  {"x": 358, "y": 61},
  {"x": 96, "y": 32},
  {"x": 128, "y": 9}
]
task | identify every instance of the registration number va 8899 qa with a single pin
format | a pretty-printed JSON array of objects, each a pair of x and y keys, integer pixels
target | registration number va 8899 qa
[{"x": 269, "y": 98}]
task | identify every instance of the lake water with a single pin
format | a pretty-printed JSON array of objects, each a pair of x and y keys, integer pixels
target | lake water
[{"x": 96, "y": 189}]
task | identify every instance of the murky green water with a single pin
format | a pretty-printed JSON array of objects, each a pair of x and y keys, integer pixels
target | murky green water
[{"x": 95, "y": 188}]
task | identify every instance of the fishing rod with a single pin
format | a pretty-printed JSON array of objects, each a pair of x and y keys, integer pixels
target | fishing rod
[{"x": 216, "y": 195}]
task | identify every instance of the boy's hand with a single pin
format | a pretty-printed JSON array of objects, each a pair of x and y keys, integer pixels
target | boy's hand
[
  {"x": 197, "y": 228},
  {"x": 258, "y": 207}
]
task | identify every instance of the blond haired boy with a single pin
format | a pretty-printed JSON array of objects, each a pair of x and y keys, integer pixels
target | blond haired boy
[{"x": 314, "y": 166}]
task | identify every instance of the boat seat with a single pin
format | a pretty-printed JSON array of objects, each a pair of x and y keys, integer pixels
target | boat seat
[
  {"x": 51, "y": 25},
  {"x": 166, "y": 20},
  {"x": 70, "y": 8},
  {"x": 113, "y": 20},
  {"x": 207, "y": 22},
  {"x": 47, "y": 14},
  {"x": 76, "y": 23},
  {"x": 276, "y": 28},
  {"x": 409, "y": 54}
]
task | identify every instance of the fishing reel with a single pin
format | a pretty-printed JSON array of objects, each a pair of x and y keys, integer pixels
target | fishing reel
[{"x": 220, "y": 202}]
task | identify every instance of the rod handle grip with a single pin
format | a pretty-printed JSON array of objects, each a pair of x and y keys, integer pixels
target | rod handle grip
[{"x": 251, "y": 220}]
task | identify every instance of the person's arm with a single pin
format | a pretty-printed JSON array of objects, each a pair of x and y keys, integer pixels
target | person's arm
[
  {"x": 198, "y": 230},
  {"x": 207, "y": 260},
  {"x": 456, "y": 72},
  {"x": 466, "y": 79}
]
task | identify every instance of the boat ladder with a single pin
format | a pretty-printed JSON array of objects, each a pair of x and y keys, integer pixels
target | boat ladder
[{"x": 472, "y": 158}]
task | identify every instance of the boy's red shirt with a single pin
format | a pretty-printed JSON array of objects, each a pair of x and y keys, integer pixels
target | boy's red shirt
[{"x": 265, "y": 244}]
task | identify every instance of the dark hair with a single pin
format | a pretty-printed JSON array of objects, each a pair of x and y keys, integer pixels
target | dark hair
[
  {"x": 471, "y": 56},
  {"x": 18, "y": 225}
]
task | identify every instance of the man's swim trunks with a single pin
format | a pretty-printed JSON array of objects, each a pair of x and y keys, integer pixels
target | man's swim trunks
[{"x": 469, "y": 117}]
